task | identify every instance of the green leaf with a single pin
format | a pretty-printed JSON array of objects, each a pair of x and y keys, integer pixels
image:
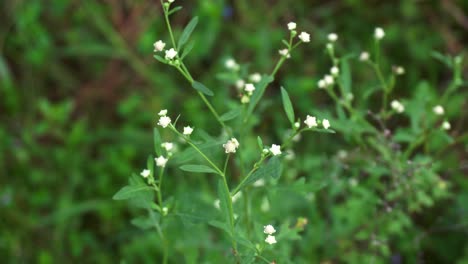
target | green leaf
[
  {"x": 231, "y": 114},
  {"x": 161, "y": 59},
  {"x": 271, "y": 168},
  {"x": 202, "y": 88},
  {"x": 224, "y": 201},
  {"x": 345, "y": 75},
  {"x": 187, "y": 32},
  {"x": 130, "y": 191},
  {"x": 150, "y": 164},
  {"x": 157, "y": 141},
  {"x": 197, "y": 168},
  {"x": 288, "y": 108},
  {"x": 220, "y": 225},
  {"x": 173, "y": 10},
  {"x": 188, "y": 48},
  {"x": 142, "y": 222},
  {"x": 260, "y": 143},
  {"x": 257, "y": 95}
]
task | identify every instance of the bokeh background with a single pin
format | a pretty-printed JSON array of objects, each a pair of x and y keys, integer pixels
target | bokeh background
[{"x": 79, "y": 91}]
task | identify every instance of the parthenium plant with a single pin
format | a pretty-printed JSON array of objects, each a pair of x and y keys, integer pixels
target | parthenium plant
[{"x": 226, "y": 155}]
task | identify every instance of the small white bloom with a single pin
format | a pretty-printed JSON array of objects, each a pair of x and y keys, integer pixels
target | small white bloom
[
  {"x": 311, "y": 121},
  {"x": 167, "y": 146},
  {"x": 304, "y": 36},
  {"x": 446, "y": 125},
  {"x": 438, "y": 110},
  {"x": 255, "y": 77},
  {"x": 297, "y": 125},
  {"x": 249, "y": 88},
  {"x": 397, "y": 106},
  {"x": 145, "y": 173},
  {"x": 259, "y": 183},
  {"x": 164, "y": 121},
  {"x": 321, "y": 83},
  {"x": 159, "y": 46},
  {"x": 364, "y": 56},
  {"x": 188, "y": 130},
  {"x": 171, "y": 54},
  {"x": 325, "y": 123},
  {"x": 328, "y": 80},
  {"x": 231, "y": 64},
  {"x": 399, "y": 70},
  {"x": 161, "y": 161},
  {"x": 269, "y": 230},
  {"x": 275, "y": 149},
  {"x": 240, "y": 84},
  {"x": 231, "y": 145},
  {"x": 270, "y": 239},
  {"x": 291, "y": 25},
  {"x": 170, "y": 1},
  {"x": 379, "y": 33},
  {"x": 163, "y": 112},
  {"x": 285, "y": 53},
  {"x": 334, "y": 70},
  {"x": 332, "y": 37}
]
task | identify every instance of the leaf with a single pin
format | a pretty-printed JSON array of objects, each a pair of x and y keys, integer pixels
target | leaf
[
  {"x": 129, "y": 191},
  {"x": 271, "y": 168},
  {"x": 220, "y": 225},
  {"x": 198, "y": 168},
  {"x": 187, "y": 32},
  {"x": 150, "y": 164},
  {"x": 257, "y": 95},
  {"x": 187, "y": 49},
  {"x": 230, "y": 115},
  {"x": 224, "y": 202},
  {"x": 173, "y": 10},
  {"x": 161, "y": 59},
  {"x": 260, "y": 143},
  {"x": 202, "y": 88},
  {"x": 142, "y": 222},
  {"x": 345, "y": 75},
  {"x": 157, "y": 141},
  {"x": 288, "y": 108}
]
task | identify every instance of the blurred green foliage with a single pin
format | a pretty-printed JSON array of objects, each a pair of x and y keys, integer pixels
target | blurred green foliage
[{"x": 79, "y": 92}]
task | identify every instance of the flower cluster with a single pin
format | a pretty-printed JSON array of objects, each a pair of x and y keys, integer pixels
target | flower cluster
[
  {"x": 269, "y": 230},
  {"x": 303, "y": 37},
  {"x": 397, "y": 106},
  {"x": 231, "y": 145},
  {"x": 164, "y": 120},
  {"x": 311, "y": 122},
  {"x": 329, "y": 79}
]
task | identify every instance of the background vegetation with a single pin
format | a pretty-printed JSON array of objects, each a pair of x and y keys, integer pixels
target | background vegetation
[{"x": 79, "y": 93}]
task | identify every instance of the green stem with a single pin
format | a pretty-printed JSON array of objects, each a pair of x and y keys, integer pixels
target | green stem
[{"x": 161, "y": 172}]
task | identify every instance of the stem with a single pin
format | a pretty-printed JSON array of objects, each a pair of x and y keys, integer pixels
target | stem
[
  {"x": 231, "y": 213},
  {"x": 161, "y": 172}
]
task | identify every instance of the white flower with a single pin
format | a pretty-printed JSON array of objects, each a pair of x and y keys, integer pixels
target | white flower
[
  {"x": 249, "y": 88},
  {"x": 231, "y": 145},
  {"x": 328, "y": 80},
  {"x": 270, "y": 239},
  {"x": 397, "y": 106},
  {"x": 311, "y": 121},
  {"x": 159, "y": 46},
  {"x": 167, "y": 146},
  {"x": 269, "y": 230},
  {"x": 240, "y": 84},
  {"x": 163, "y": 112},
  {"x": 285, "y": 53},
  {"x": 334, "y": 70},
  {"x": 231, "y": 64},
  {"x": 187, "y": 130},
  {"x": 438, "y": 110},
  {"x": 164, "y": 121},
  {"x": 160, "y": 161},
  {"x": 275, "y": 149},
  {"x": 446, "y": 125},
  {"x": 170, "y": 1},
  {"x": 259, "y": 183},
  {"x": 145, "y": 173},
  {"x": 321, "y": 83},
  {"x": 379, "y": 33},
  {"x": 304, "y": 36},
  {"x": 332, "y": 37},
  {"x": 255, "y": 77},
  {"x": 399, "y": 70},
  {"x": 291, "y": 25},
  {"x": 297, "y": 125},
  {"x": 364, "y": 56},
  {"x": 171, "y": 54},
  {"x": 325, "y": 123}
]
